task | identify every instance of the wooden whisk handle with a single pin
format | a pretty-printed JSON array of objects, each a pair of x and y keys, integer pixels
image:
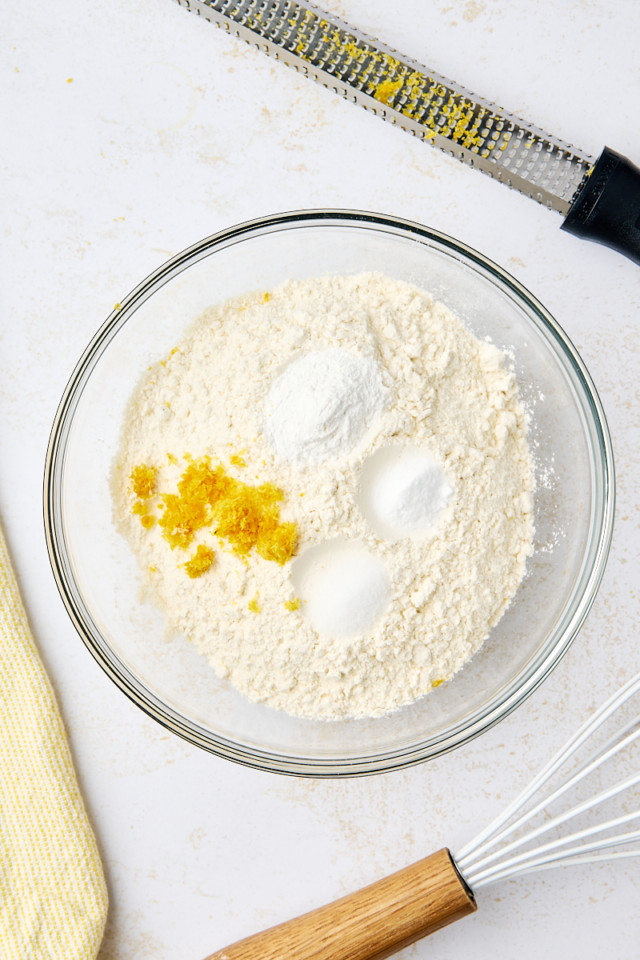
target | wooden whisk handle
[{"x": 372, "y": 923}]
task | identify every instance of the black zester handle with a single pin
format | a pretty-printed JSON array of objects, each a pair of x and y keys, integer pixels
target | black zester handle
[{"x": 607, "y": 208}]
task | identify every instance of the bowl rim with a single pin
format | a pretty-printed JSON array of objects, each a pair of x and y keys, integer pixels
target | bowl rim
[{"x": 516, "y": 692}]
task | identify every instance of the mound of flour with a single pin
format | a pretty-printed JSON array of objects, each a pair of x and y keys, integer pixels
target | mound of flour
[{"x": 436, "y": 389}]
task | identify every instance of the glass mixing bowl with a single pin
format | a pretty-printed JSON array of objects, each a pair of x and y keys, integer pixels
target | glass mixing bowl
[{"x": 97, "y": 573}]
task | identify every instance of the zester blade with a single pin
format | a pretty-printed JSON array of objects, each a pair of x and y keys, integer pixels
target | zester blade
[
  {"x": 406, "y": 93},
  {"x": 600, "y": 199}
]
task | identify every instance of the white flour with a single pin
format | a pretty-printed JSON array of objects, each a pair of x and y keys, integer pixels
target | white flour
[{"x": 447, "y": 394}]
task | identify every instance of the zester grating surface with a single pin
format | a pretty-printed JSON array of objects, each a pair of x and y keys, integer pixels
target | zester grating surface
[{"x": 406, "y": 93}]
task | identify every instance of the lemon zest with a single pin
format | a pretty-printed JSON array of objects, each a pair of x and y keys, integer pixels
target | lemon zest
[
  {"x": 247, "y": 517},
  {"x": 253, "y": 605},
  {"x": 143, "y": 481},
  {"x": 200, "y": 561}
]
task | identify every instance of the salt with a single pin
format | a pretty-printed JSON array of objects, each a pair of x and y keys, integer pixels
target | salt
[
  {"x": 322, "y": 405},
  {"x": 403, "y": 492}
]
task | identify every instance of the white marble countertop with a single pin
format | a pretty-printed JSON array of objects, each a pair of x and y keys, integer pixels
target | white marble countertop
[{"x": 132, "y": 129}]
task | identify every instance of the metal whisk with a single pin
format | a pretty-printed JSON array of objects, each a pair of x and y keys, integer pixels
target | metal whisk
[
  {"x": 386, "y": 916},
  {"x": 480, "y": 867}
]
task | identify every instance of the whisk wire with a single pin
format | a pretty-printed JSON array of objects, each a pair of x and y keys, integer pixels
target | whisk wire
[
  {"x": 479, "y": 866},
  {"x": 539, "y": 855},
  {"x": 545, "y": 863},
  {"x": 558, "y": 820},
  {"x": 518, "y": 865},
  {"x": 632, "y": 725}
]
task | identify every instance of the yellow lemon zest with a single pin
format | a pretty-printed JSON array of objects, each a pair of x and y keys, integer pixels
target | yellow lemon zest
[{"x": 200, "y": 561}]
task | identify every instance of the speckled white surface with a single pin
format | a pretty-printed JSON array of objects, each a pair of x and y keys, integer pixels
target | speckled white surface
[{"x": 131, "y": 130}]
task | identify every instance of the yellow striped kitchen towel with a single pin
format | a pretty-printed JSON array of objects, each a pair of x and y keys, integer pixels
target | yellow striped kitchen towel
[{"x": 53, "y": 897}]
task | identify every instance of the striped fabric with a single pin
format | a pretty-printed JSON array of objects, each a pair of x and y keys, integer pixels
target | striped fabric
[{"x": 53, "y": 898}]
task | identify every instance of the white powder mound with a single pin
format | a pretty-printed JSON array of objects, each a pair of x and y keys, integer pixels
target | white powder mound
[
  {"x": 448, "y": 395},
  {"x": 323, "y": 405},
  {"x": 344, "y": 588},
  {"x": 403, "y": 491}
]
